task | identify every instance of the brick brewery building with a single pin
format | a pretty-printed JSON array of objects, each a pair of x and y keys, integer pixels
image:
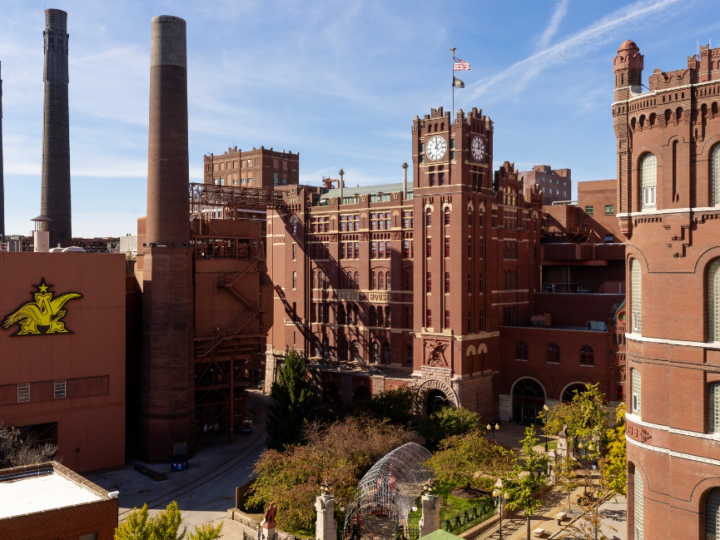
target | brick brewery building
[
  {"x": 409, "y": 284},
  {"x": 556, "y": 185},
  {"x": 668, "y": 195}
]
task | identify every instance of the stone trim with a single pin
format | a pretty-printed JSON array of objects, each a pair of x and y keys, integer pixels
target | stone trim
[
  {"x": 679, "y": 455},
  {"x": 666, "y": 341},
  {"x": 635, "y": 419}
]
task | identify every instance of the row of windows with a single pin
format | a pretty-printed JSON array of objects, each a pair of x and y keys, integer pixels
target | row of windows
[
  {"x": 446, "y": 320},
  {"x": 348, "y": 314},
  {"x": 552, "y": 353},
  {"x": 377, "y": 351},
  {"x": 609, "y": 210},
  {"x": 56, "y": 389},
  {"x": 224, "y": 166}
]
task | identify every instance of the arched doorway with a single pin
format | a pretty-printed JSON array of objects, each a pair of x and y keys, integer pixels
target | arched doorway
[
  {"x": 361, "y": 393},
  {"x": 570, "y": 391},
  {"x": 436, "y": 400},
  {"x": 528, "y": 398},
  {"x": 331, "y": 393}
]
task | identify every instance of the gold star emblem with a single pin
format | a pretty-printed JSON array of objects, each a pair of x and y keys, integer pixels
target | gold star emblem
[{"x": 42, "y": 287}]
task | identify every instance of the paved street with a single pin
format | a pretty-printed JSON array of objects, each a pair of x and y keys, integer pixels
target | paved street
[{"x": 207, "y": 489}]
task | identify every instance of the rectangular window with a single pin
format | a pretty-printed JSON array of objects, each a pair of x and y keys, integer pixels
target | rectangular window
[
  {"x": 59, "y": 389},
  {"x": 636, "y": 296},
  {"x": 381, "y": 252},
  {"x": 294, "y": 251},
  {"x": 428, "y": 247},
  {"x": 590, "y": 210},
  {"x": 639, "y": 506},
  {"x": 428, "y": 284},
  {"x": 406, "y": 249},
  {"x": 609, "y": 209},
  {"x": 447, "y": 247},
  {"x": 373, "y": 250},
  {"x": 480, "y": 282},
  {"x": 357, "y": 250},
  {"x": 469, "y": 248},
  {"x": 480, "y": 321},
  {"x": 714, "y": 408},
  {"x": 428, "y": 318},
  {"x": 636, "y": 384},
  {"x": 275, "y": 179},
  {"x": 23, "y": 392},
  {"x": 447, "y": 318}
]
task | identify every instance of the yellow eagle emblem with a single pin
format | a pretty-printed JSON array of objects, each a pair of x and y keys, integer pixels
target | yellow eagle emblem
[{"x": 45, "y": 312}]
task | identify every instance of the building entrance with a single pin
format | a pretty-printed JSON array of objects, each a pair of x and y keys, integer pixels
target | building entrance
[{"x": 528, "y": 399}]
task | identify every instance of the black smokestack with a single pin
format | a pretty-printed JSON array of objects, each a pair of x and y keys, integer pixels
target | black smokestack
[
  {"x": 56, "y": 130},
  {"x": 2, "y": 174}
]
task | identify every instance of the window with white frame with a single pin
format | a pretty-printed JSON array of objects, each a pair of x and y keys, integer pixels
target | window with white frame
[
  {"x": 648, "y": 180},
  {"x": 636, "y": 296},
  {"x": 60, "y": 389},
  {"x": 639, "y": 506},
  {"x": 715, "y": 176},
  {"x": 712, "y": 515},
  {"x": 636, "y": 391},
  {"x": 714, "y": 408},
  {"x": 713, "y": 300},
  {"x": 23, "y": 392}
]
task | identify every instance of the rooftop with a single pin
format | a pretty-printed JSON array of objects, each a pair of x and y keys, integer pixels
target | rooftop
[
  {"x": 39, "y": 488},
  {"x": 364, "y": 190}
]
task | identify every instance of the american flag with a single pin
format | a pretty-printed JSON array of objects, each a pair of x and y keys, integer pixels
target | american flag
[{"x": 460, "y": 64}]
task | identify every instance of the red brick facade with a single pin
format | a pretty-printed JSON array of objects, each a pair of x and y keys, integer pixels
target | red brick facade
[
  {"x": 555, "y": 185},
  {"x": 666, "y": 138},
  {"x": 257, "y": 168}
]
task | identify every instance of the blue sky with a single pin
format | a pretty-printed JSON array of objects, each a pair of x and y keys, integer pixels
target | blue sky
[{"x": 337, "y": 80}]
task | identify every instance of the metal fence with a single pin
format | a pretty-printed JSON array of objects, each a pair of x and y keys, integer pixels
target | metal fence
[{"x": 468, "y": 518}]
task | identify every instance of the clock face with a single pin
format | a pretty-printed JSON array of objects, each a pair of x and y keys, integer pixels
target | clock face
[
  {"x": 436, "y": 148},
  {"x": 477, "y": 147}
]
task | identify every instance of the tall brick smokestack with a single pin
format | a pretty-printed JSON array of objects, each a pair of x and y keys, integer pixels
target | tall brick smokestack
[
  {"x": 2, "y": 169},
  {"x": 56, "y": 130},
  {"x": 168, "y": 168},
  {"x": 167, "y": 376}
]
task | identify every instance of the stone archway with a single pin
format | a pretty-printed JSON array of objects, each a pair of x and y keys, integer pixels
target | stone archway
[{"x": 436, "y": 384}]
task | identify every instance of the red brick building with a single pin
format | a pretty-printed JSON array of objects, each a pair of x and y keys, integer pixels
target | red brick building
[
  {"x": 50, "y": 502},
  {"x": 667, "y": 205},
  {"x": 409, "y": 284},
  {"x": 63, "y": 380},
  {"x": 256, "y": 168},
  {"x": 555, "y": 185}
]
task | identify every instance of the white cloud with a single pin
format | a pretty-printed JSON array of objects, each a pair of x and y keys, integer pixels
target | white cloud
[
  {"x": 518, "y": 75},
  {"x": 561, "y": 9}
]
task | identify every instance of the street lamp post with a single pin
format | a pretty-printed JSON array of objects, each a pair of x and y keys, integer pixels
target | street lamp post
[
  {"x": 547, "y": 410},
  {"x": 493, "y": 429},
  {"x": 501, "y": 498}
]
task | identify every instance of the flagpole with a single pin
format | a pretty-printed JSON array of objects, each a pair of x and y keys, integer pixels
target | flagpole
[{"x": 452, "y": 62}]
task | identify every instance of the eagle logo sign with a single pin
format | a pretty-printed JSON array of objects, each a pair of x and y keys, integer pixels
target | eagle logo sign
[{"x": 42, "y": 316}]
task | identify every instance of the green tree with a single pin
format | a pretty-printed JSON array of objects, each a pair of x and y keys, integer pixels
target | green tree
[
  {"x": 470, "y": 460},
  {"x": 339, "y": 453},
  {"x": 293, "y": 403},
  {"x": 398, "y": 406},
  {"x": 165, "y": 526},
  {"x": 590, "y": 526},
  {"x": 447, "y": 422},
  {"x": 566, "y": 476},
  {"x": 615, "y": 469},
  {"x": 528, "y": 476}
]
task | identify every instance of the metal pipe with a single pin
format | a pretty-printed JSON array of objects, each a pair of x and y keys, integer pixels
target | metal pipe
[{"x": 405, "y": 168}]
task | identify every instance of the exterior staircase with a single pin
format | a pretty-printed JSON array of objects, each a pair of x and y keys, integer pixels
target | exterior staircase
[{"x": 206, "y": 347}]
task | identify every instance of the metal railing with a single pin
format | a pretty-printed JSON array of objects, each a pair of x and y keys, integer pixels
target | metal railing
[
  {"x": 469, "y": 518},
  {"x": 208, "y": 346}
]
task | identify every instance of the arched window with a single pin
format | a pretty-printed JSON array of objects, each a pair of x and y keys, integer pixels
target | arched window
[
  {"x": 648, "y": 180},
  {"x": 408, "y": 355},
  {"x": 356, "y": 350},
  {"x": 447, "y": 216},
  {"x": 373, "y": 280},
  {"x": 552, "y": 354},
  {"x": 376, "y": 352},
  {"x": 712, "y": 515},
  {"x": 447, "y": 282},
  {"x": 387, "y": 316},
  {"x": 639, "y": 506},
  {"x": 428, "y": 217},
  {"x": 379, "y": 316},
  {"x": 587, "y": 356},
  {"x": 636, "y": 296},
  {"x": 387, "y": 281},
  {"x": 636, "y": 386},
  {"x": 387, "y": 354},
  {"x": 344, "y": 349},
  {"x": 521, "y": 350},
  {"x": 715, "y": 176},
  {"x": 322, "y": 283},
  {"x": 341, "y": 314},
  {"x": 343, "y": 280},
  {"x": 381, "y": 281},
  {"x": 713, "y": 300},
  {"x": 714, "y": 408},
  {"x": 373, "y": 317},
  {"x": 294, "y": 227},
  {"x": 315, "y": 280}
]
